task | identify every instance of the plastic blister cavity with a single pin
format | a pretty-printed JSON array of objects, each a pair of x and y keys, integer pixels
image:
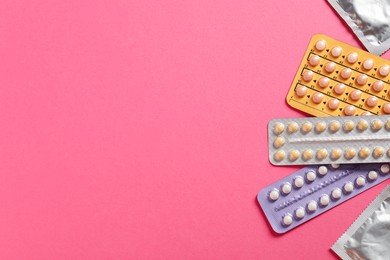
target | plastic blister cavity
[
  {"x": 336, "y": 79},
  {"x": 314, "y": 190},
  {"x": 342, "y": 140}
]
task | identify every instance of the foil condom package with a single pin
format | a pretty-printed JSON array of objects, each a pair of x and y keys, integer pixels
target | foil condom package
[
  {"x": 369, "y": 20},
  {"x": 369, "y": 236}
]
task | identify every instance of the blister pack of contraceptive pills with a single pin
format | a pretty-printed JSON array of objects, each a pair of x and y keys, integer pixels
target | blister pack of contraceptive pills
[
  {"x": 313, "y": 190},
  {"x": 336, "y": 79},
  {"x": 326, "y": 140}
]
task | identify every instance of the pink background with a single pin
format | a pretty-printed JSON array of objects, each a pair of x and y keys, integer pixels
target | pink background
[{"x": 137, "y": 129}]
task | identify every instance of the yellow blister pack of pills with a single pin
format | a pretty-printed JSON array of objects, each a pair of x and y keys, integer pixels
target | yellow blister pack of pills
[{"x": 336, "y": 79}]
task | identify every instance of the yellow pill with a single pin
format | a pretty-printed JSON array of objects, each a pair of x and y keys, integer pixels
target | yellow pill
[
  {"x": 334, "y": 126},
  {"x": 279, "y": 142},
  {"x": 388, "y": 153},
  {"x": 278, "y": 128},
  {"x": 307, "y": 155},
  {"x": 376, "y": 124},
  {"x": 349, "y": 153},
  {"x": 336, "y": 154},
  {"x": 364, "y": 152},
  {"x": 292, "y": 127},
  {"x": 293, "y": 155},
  {"x": 321, "y": 154},
  {"x": 306, "y": 127},
  {"x": 362, "y": 125},
  {"x": 279, "y": 155},
  {"x": 388, "y": 125},
  {"x": 348, "y": 126},
  {"x": 320, "y": 127},
  {"x": 378, "y": 152}
]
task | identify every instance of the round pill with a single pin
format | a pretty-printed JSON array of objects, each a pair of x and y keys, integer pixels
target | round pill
[
  {"x": 385, "y": 168},
  {"x": 306, "y": 127},
  {"x": 293, "y": 155},
  {"x": 368, "y": 64},
  {"x": 388, "y": 153},
  {"x": 336, "y": 51},
  {"x": 372, "y": 175},
  {"x": 333, "y": 104},
  {"x": 361, "y": 79},
  {"x": 360, "y": 181},
  {"x": 323, "y": 82},
  {"x": 299, "y": 213},
  {"x": 314, "y": 60},
  {"x": 335, "y": 165},
  {"x": 336, "y": 193},
  {"x": 339, "y": 88},
  {"x": 286, "y": 188},
  {"x": 349, "y": 110},
  {"x": 372, "y": 101},
  {"x": 336, "y": 154},
  {"x": 362, "y": 125},
  {"x": 348, "y": 187},
  {"x": 330, "y": 67},
  {"x": 273, "y": 195},
  {"x": 346, "y": 73},
  {"x": 279, "y": 142},
  {"x": 311, "y": 176},
  {"x": 301, "y": 91},
  {"x": 292, "y": 127},
  {"x": 348, "y": 125},
  {"x": 324, "y": 200},
  {"x": 298, "y": 182},
  {"x": 334, "y": 126},
  {"x": 384, "y": 70},
  {"x": 364, "y": 152},
  {"x": 307, "y": 75},
  {"x": 279, "y": 156},
  {"x": 352, "y": 57},
  {"x": 376, "y": 124},
  {"x": 320, "y": 127},
  {"x": 349, "y": 153},
  {"x": 287, "y": 220},
  {"x": 320, "y": 45},
  {"x": 321, "y": 154},
  {"x": 355, "y": 95},
  {"x": 312, "y": 206},
  {"x": 278, "y": 128},
  {"x": 317, "y": 98},
  {"x": 378, "y": 152},
  {"x": 322, "y": 170},
  {"x": 365, "y": 113},
  {"x": 377, "y": 86},
  {"x": 386, "y": 108},
  {"x": 307, "y": 155}
]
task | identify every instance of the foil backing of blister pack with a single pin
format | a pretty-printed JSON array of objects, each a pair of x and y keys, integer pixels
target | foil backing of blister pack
[
  {"x": 316, "y": 140},
  {"x": 314, "y": 190},
  {"x": 369, "y": 20}
]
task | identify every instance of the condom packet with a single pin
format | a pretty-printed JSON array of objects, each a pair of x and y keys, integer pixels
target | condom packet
[
  {"x": 369, "y": 20},
  {"x": 369, "y": 236}
]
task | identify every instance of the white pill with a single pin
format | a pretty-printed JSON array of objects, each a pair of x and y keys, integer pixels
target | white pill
[
  {"x": 348, "y": 187},
  {"x": 287, "y": 220},
  {"x": 299, "y": 213},
  {"x": 298, "y": 182},
  {"x": 368, "y": 64},
  {"x": 312, "y": 206},
  {"x": 352, "y": 57},
  {"x": 385, "y": 168},
  {"x": 324, "y": 200},
  {"x": 274, "y": 195},
  {"x": 322, "y": 170},
  {"x": 336, "y": 193},
  {"x": 372, "y": 175},
  {"x": 286, "y": 188},
  {"x": 336, "y": 51},
  {"x": 384, "y": 70},
  {"x": 335, "y": 165},
  {"x": 311, "y": 176},
  {"x": 320, "y": 45},
  {"x": 360, "y": 181},
  {"x": 314, "y": 60}
]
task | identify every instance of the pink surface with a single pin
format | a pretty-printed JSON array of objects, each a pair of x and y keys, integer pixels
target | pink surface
[{"x": 137, "y": 129}]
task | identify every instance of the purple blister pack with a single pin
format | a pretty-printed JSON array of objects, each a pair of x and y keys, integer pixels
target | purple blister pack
[{"x": 315, "y": 189}]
